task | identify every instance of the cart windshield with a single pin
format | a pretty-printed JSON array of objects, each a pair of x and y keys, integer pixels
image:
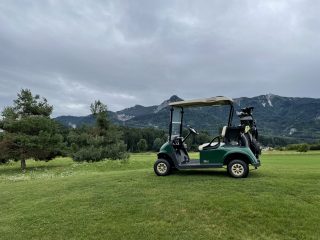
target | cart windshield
[{"x": 176, "y": 122}]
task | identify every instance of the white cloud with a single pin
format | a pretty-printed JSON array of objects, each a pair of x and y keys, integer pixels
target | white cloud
[{"x": 128, "y": 52}]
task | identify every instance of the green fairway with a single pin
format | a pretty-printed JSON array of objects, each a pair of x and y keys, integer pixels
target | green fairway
[{"x": 126, "y": 200}]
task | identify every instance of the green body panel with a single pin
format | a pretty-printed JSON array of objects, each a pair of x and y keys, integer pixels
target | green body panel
[
  {"x": 168, "y": 149},
  {"x": 211, "y": 156},
  {"x": 219, "y": 154}
]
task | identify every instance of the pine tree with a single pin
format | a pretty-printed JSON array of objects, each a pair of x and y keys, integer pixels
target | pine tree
[{"x": 28, "y": 131}]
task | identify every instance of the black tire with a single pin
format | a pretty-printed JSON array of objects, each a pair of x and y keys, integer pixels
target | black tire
[
  {"x": 162, "y": 167},
  {"x": 238, "y": 169}
]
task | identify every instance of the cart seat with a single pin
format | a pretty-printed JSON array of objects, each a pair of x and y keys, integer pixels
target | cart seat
[{"x": 214, "y": 144}]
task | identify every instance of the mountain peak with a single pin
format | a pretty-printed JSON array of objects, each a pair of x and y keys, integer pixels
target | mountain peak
[
  {"x": 174, "y": 98},
  {"x": 270, "y": 95},
  {"x": 164, "y": 104}
]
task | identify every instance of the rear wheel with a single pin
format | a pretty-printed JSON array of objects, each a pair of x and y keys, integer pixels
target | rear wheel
[
  {"x": 238, "y": 169},
  {"x": 162, "y": 167}
]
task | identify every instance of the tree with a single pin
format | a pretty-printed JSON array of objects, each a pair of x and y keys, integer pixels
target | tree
[
  {"x": 28, "y": 130},
  {"x": 157, "y": 143},
  {"x": 132, "y": 136},
  {"x": 142, "y": 145},
  {"x": 99, "y": 110},
  {"x": 28, "y": 105},
  {"x": 102, "y": 141}
]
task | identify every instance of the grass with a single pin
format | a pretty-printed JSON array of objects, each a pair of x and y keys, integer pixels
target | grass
[{"x": 125, "y": 200}]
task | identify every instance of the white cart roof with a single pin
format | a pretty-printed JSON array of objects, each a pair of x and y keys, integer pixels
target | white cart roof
[{"x": 213, "y": 101}]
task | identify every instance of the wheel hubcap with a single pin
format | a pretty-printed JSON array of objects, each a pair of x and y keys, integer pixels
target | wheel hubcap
[
  {"x": 162, "y": 168},
  {"x": 237, "y": 169}
]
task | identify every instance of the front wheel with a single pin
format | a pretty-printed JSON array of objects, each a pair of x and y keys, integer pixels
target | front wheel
[
  {"x": 162, "y": 167},
  {"x": 238, "y": 169}
]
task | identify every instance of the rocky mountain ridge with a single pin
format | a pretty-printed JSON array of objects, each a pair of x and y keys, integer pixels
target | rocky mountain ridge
[{"x": 275, "y": 116}]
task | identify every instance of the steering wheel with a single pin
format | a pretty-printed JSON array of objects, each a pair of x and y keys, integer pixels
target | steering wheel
[{"x": 192, "y": 130}]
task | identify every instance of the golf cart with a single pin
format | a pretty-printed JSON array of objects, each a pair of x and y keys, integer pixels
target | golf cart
[{"x": 232, "y": 148}]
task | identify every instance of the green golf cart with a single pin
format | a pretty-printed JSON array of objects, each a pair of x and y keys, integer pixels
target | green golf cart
[{"x": 232, "y": 148}]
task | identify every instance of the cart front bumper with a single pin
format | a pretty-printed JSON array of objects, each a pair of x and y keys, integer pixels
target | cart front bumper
[{"x": 257, "y": 164}]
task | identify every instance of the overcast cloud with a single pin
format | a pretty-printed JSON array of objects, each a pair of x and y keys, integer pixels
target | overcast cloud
[{"x": 142, "y": 52}]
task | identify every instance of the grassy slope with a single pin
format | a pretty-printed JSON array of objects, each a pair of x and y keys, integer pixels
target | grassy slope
[{"x": 125, "y": 200}]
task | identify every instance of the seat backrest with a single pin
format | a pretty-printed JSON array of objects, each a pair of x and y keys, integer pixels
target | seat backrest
[
  {"x": 232, "y": 134},
  {"x": 223, "y": 132}
]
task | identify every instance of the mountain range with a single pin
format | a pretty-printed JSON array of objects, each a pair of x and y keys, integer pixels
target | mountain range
[{"x": 275, "y": 116}]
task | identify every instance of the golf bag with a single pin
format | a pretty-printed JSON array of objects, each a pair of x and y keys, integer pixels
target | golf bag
[{"x": 249, "y": 129}]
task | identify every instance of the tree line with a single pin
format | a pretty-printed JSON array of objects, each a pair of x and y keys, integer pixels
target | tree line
[{"x": 28, "y": 132}]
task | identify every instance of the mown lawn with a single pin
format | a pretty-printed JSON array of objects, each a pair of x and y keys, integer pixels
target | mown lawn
[{"x": 125, "y": 200}]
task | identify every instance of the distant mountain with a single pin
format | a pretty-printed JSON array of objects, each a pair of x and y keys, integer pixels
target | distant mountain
[
  {"x": 275, "y": 115},
  {"x": 73, "y": 121},
  {"x": 285, "y": 116},
  {"x": 138, "y": 110}
]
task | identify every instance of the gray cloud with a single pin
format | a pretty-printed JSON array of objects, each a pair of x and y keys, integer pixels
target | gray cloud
[{"x": 141, "y": 52}]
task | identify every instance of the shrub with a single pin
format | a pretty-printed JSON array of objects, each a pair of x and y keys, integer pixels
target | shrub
[
  {"x": 280, "y": 148},
  {"x": 293, "y": 147},
  {"x": 116, "y": 151},
  {"x": 95, "y": 154},
  {"x": 315, "y": 147},
  {"x": 88, "y": 154},
  {"x": 157, "y": 144},
  {"x": 303, "y": 147}
]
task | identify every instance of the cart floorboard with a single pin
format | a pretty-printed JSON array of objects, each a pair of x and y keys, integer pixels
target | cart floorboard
[{"x": 195, "y": 163}]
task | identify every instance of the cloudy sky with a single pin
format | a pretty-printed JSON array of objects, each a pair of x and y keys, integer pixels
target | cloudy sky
[{"x": 142, "y": 52}]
